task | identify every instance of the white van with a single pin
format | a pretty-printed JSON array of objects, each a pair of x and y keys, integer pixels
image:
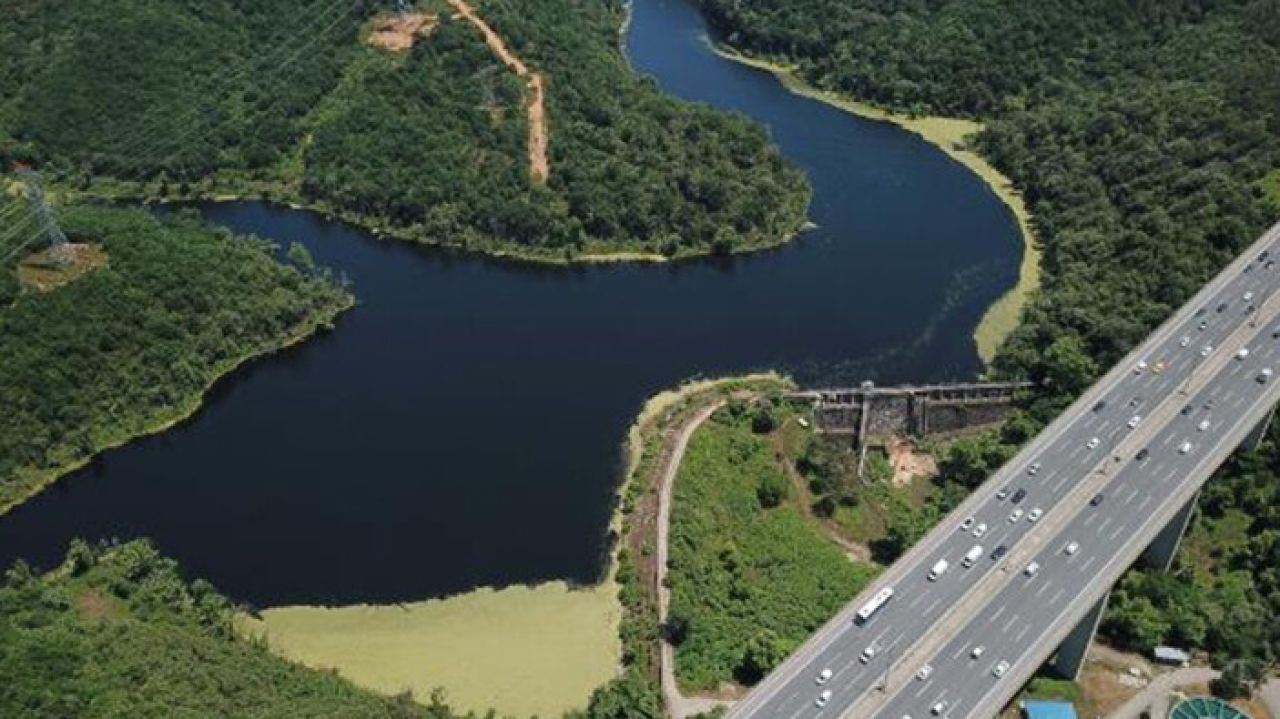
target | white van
[
  {"x": 938, "y": 570},
  {"x": 972, "y": 556}
]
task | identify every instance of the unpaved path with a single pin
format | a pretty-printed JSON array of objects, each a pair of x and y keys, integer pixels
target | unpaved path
[
  {"x": 1155, "y": 697},
  {"x": 678, "y": 705},
  {"x": 539, "y": 168}
]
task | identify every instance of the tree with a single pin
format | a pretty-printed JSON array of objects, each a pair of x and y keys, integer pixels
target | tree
[{"x": 764, "y": 651}]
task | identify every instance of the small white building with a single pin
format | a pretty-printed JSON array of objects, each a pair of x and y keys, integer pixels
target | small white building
[{"x": 1172, "y": 656}]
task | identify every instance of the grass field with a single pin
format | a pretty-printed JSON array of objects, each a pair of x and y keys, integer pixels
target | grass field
[
  {"x": 1271, "y": 184},
  {"x": 520, "y": 651},
  {"x": 950, "y": 135}
]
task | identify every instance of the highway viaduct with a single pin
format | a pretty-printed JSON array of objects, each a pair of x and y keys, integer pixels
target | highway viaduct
[{"x": 1114, "y": 479}]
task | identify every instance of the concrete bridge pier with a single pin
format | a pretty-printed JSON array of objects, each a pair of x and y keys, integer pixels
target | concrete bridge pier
[
  {"x": 1070, "y": 657},
  {"x": 1259, "y": 432},
  {"x": 1160, "y": 553}
]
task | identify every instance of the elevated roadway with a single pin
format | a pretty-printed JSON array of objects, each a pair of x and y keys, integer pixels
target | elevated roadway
[{"x": 1142, "y": 441}]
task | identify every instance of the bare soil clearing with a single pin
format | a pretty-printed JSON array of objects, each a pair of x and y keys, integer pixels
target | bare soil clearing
[
  {"x": 908, "y": 464},
  {"x": 43, "y": 272},
  {"x": 398, "y": 33},
  {"x": 539, "y": 168}
]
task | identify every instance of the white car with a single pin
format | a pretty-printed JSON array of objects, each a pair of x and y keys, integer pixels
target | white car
[
  {"x": 938, "y": 708},
  {"x": 1184, "y": 448},
  {"x": 1264, "y": 375},
  {"x": 867, "y": 654},
  {"x": 967, "y": 524},
  {"x": 1140, "y": 367},
  {"x": 1093, "y": 443},
  {"x": 1015, "y": 515},
  {"x": 1204, "y": 351},
  {"x": 1031, "y": 569},
  {"x": 1072, "y": 548},
  {"x": 980, "y": 530},
  {"x": 924, "y": 672},
  {"x": 1186, "y": 340},
  {"x": 1248, "y": 296},
  {"x": 1035, "y": 467},
  {"x": 1204, "y": 424},
  {"x": 823, "y": 698},
  {"x": 824, "y": 676},
  {"x": 1004, "y": 492},
  {"x": 1134, "y": 420},
  {"x": 999, "y": 669},
  {"x": 1243, "y": 353},
  {"x": 1035, "y": 514},
  {"x": 977, "y": 651}
]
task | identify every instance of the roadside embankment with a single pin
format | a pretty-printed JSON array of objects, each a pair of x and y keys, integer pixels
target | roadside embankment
[{"x": 950, "y": 135}]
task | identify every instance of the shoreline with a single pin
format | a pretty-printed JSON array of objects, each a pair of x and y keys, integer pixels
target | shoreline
[
  {"x": 948, "y": 135},
  {"x": 369, "y": 644},
  {"x": 185, "y": 411}
]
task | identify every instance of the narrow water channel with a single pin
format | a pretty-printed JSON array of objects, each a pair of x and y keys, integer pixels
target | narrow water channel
[{"x": 462, "y": 426}]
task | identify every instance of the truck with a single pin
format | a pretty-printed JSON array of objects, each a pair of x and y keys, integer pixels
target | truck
[{"x": 972, "y": 556}]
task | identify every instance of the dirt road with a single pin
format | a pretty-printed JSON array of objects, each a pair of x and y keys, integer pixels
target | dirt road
[{"x": 539, "y": 138}]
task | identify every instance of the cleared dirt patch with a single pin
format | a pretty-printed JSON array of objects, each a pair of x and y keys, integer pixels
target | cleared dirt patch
[
  {"x": 909, "y": 464},
  {"x": 398, "y": 33},
  {"x": 539, "y": 138},
  {"x": 46, "y": 271},
  {"x": 93, "y": 607}
]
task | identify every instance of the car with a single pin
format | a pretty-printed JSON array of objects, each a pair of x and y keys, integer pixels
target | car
[
  {"x": 1204, "y": 351},
  {"x": 1250, "y": 309},
  {"x": 1035, "y": 514},
  {"x": 1031, "y": 569},
  {"x": 924, "y": 672},
  {"x": 1243, "y": 353},
  {"x": 1015, "y": 515},
  {"x": 1248, "y": 296},
  {"x": 1004, "y": 492},
  {"x": 1187, "y": 409},
  {"x": 1204, "y": 424},
  {"x": 1072, "y": 548},
  {"x": 1269, "y": 265},
  {"x": 1018, "y": 495},
  {"x": 1135, "y": 401},
  {"x": 1142, "y": 454},
  {"x": 999, "y": 669},
  {"x": 1159, "y": 367},
  {"x": 1200, "y": 312},
  {"x": 1203, "y": 324},
  {"x": 1184, "y": 448},
  {"x": 1133, "y": 421},
  {"x": 1275, "y": 334},
  {"x": 1093, "y": 443},
  {"x": 1264, "y": 375},
  {"x": 938, "y": 708},
  {"x": 977, "y": 651},
  {"x": 1222, "y": 307},
  {"x": 823, "y": 698},
  {"x": 967, "y": 524},
  {"x": 824, "y": 676},
  {"x": 1101, "y": 405},
  {"x": 1140, "y": 368},
  {"x": 1000, "y": 552},
  {"x": 1186, "y": 340},
  {"x": 980, "y": 530},
  {"x": 1035, "y": 467},
  {"x": 868, "y": 654},
  {"x": 1264, "y": 254},
  {"x": 1097, "y": 499},
  {"x": 1208, "y": 403}
]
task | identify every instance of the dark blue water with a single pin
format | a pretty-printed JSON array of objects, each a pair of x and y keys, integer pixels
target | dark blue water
[{"x": 462, "y": 426}]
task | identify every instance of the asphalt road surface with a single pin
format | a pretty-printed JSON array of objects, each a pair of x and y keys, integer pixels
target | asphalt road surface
[{"x": 1191, "y": 365}]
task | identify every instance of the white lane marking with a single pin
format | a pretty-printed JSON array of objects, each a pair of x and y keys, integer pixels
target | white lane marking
[
  {"x": 1145, "y": 501},
  {"x": 1043, "y": 586},
  {"x": 1022, "y": 633},
  {"x": 1167, "y": 440},
  {"x": 1012, "y": 620},
  {"x": 924, "y": 687},
  {"x": 933, "y": 606},
  {"x": 1117, "y": 532},
  {"x": 1089, "y": 519},
  {"x": 915, "y": 601},
  {"x": 1087, "y": 563},
  {"x": 1058, "y": 487},
  {"x": 1132, "y": 495},
  {"x": 1104, "y": 524},
  {"x": 996, "y": 614},
  {"x": 1056, "y": 596}
]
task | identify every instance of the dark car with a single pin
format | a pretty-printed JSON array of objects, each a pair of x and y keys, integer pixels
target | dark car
[
  {"x": 1000, "y": 552},
  {"x": 1264, "y": 254},
  {"x": 1018, "y": 495},
  {"x": 1275, "y": 335},
  {"x": 1102, "y": 403},
  {"x": 1135, "y": 401},
  {"x": 1186, "y": 410},
  {"x": 1097, "y": 499},
  {"x": 1222, "y": 307},
  {"x": 1142, "y": 454},
  {"x": 1200, "y": 312}
]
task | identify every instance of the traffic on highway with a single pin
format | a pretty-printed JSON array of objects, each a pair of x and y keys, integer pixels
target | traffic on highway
[{"x": 957, "y": 618}]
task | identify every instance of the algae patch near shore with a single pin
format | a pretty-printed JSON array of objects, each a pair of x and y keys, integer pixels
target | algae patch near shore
[
  {"x": 948, "y": 134},
  {"x": 521, "y": 650}
]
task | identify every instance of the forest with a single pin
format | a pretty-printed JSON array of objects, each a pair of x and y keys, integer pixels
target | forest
[
  {"x": 1145, "y": 137},
  {"x": 132, "y": 346},
  {"x": 118, "y": 632},
  {"x": 286, "y": 100}
]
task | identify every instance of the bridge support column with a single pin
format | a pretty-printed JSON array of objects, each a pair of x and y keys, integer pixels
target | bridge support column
[
  {"x": 1259, "y": 432},
  {"x": 1159, "y": 554},
  {"x": 1070, "y": 657}
]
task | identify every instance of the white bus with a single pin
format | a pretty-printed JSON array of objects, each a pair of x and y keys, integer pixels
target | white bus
[{"x": 879, "y": 600}]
